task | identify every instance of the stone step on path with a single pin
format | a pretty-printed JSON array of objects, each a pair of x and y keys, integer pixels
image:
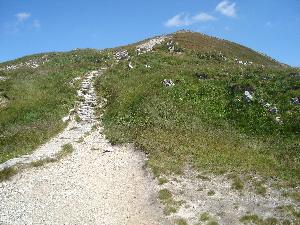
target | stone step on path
[
  {"x": 87, "y": 93},
  {"x": 97, "y": 184}
]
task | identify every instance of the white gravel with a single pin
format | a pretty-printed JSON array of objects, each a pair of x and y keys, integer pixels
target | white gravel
[
  {"x": 97, "y": 184},
  {"x": 150, "y": 44},
  {"x": 225, "y": 204}
]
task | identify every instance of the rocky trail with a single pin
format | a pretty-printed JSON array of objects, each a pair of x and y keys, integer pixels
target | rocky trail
[{"x": 96, "y": 184}]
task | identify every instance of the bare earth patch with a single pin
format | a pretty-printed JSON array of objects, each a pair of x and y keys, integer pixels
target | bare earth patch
[{"x": 218, "y": 199}]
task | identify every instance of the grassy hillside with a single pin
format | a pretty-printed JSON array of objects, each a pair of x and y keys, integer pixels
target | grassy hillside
[
  {"x": 230, "y": 109},
  {"x": 35, "y": 99},
  {"x": 205, "y": 119}
]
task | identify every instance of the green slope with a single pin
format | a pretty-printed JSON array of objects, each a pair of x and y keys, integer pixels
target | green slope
[{"x": 208, "y": 123}]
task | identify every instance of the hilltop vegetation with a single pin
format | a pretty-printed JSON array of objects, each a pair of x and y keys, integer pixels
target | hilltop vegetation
[
  {"x": 206, "y": 119},
  {"x": 230, "y": 108}
]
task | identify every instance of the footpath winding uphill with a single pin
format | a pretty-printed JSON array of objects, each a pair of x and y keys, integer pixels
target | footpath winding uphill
[{"x": 97, "y": 184}]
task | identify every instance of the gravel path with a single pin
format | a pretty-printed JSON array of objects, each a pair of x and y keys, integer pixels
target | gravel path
[{"x": 97, "y": 184}]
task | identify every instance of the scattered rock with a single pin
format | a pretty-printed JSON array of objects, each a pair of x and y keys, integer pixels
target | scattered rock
[
  {"x": 295, "y": 75},
  {"x": 121, "y": 55},
  {"x": 168, "y": 83},
  {"x": 212, "y": 56},
  {"x": 3, "y": 78},
  {"x": 214, "y": 197},
  {"x": 106, "y": 151},
  {"x": 173, "y": 47},
  {"x": 130, "y": 65},
  {"x": 66, "y": 118},
  {"x": 3, "y": 101},
  {"x": 149, "y": 45},
  {"x": 278, "y": 120},
  {"x": 201, "y": 76},
  {"x": 248, "y": 96},
  {"x": 295, "y": 100},
  {"x": 273, "y": 110},
  {"x": 32, "y": 63},
  {"x": 245, "y": 63}
]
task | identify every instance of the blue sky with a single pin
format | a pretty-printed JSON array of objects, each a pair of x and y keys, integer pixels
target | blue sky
[{"x": 33, "y": 26}]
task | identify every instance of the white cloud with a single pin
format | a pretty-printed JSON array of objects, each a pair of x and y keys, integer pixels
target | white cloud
[
  {"x": 184, "y": 19},
  {"x": 203, "y": 17},
  {"x": 22, "y": 16},
  {"x": 226, "y": 8},
  {"x": 36, "y": 24},
  {"x": 178, "y": 20},
  {"x": 22, "y": 22}
]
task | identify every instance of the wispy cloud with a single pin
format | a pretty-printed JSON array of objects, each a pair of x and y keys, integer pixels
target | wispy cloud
[
  {"x": 22, "y": 16},
  {"x": 227, "y": 28},
  {"x": 184, "y": 19},
  {"x": 203, "y": 17},
  {"x": 36, "y": 24},
  {"x": 178, "y": 20},
  {"x": 227, "y": 8},
  {"x": 269, "y": 24},
  {"x": 22, "y": 22}
]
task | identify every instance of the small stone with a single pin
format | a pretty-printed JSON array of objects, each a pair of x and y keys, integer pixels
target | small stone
[
  {"x": 168, "y": 83},
  {"x": 294, "y": 75},
  {"x": 3, "y": 78},
  {"x": 295, "y": 100},
  {"x": 278, "y": 120},
  {"x": 130, "y": 65},
  {"x": 120, "y": 55},
  {"x": 66, "y": 118},
  {"x": 248, "y": 96},
  {"x": 273, "y": 110}
]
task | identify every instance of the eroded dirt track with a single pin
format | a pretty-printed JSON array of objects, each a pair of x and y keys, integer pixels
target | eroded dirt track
[{"x": 97, "y": 184}]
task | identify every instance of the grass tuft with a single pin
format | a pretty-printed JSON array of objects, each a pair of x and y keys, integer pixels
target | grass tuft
[
  {"x": 211, "y": 193},
  {"x": 237, "y": 183},
  {"x": 255, "y": 219},
  {"x": 162, "y": 180},
  {"x": 7, "y": 173},
  {"x": 212, "y": 223},
  {"x": 259, "y": 188},
  {"x": 202, "y": 177},
  {"x": 171, "y": 206},
  {"x": 66, "y": 149},
  {"x": 181, "y": 222},
  {"x": 204, "y": 217},
  {"x": 42, "y": 162}
]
